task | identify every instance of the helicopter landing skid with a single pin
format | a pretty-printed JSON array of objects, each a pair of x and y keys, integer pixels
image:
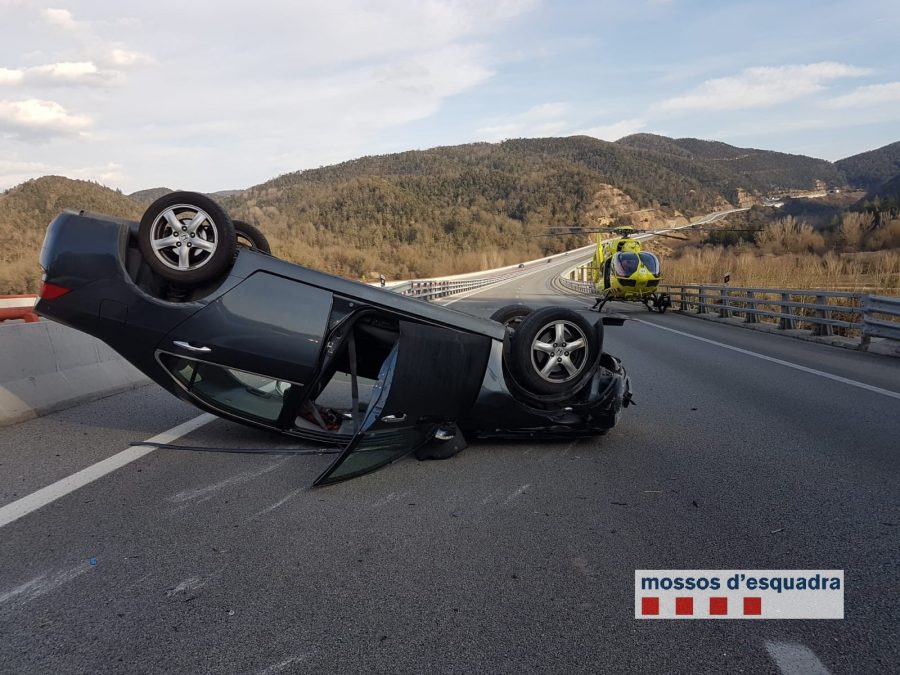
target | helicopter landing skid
[
  {"x": 599, "y": 302},
  {"x": 658, "y": 301}
]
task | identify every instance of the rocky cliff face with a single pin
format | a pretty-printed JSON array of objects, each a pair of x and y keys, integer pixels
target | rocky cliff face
[{"x": 607, "y": 203}]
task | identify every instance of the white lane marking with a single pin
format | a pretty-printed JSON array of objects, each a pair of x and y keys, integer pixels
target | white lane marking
[
  {"x": 22, "y": 507},
  {"x": 795, "y": 659},
  {"x": 42, "y": 584},
  {"x": 772, "y": 359}
]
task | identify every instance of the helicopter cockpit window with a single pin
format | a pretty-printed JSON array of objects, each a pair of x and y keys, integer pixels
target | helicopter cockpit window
[
  {"x": 625, "y": 264},
  {"x": 651, "y": 262}
]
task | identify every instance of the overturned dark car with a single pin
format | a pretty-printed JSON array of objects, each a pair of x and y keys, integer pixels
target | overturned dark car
[{"x": 195, "y": 301}]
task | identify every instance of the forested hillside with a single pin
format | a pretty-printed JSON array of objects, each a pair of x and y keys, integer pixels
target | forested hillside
[
  {"x": 729, "y": 167},
  {"x": 450, "y": 209},
  {"x": 25, "y": 212},
  {"x": 870, "y": 170},
  {"x": 413, "y": 213}
]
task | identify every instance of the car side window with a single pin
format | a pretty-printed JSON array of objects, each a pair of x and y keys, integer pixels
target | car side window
[{"x": 228, "y": 389}]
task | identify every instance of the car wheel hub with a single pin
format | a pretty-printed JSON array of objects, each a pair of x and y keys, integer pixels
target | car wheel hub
[
  {"x": 559, "y": 352},
  {"x": 184, "y": 237}
]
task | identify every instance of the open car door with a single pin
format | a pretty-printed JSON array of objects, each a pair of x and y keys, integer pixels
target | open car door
[{"x": 430, "y": 376}]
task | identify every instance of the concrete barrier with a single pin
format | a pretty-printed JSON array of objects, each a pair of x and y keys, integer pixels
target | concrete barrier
[
  {"x": 46, "y": 366},
  {"x": 21, "y": 307}
]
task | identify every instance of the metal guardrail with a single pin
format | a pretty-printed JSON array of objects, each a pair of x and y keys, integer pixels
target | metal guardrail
[
  {"x": 822, "y": 312},
  {"x": 875, "y": 306},
  {"x": 585, "y": 287},
  {"x": 789, "y": 307},
  {"x": 437, "y": 288},
  {"x": 431, "y": 289}
]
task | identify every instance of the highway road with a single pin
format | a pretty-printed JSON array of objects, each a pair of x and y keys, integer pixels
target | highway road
[{"x": 746, "y": 450}]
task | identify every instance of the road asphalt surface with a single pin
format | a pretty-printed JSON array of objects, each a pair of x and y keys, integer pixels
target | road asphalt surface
[{"x": 510, "y": 557}]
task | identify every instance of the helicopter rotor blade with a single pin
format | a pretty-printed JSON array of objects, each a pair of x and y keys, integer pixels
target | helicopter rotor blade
[
  {"x": 670, "y": 236},
  {"x": 627, "y": 231},
  {"x": 559, "y": 234}
]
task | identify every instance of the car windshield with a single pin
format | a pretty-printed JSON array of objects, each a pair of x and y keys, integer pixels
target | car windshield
[
  {"x": 651, "y": 262},
  {"x": 625, "y": 264}
]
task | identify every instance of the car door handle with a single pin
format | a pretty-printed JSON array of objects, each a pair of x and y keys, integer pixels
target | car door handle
[
  {"x": 189, "y": 346},
  {"x": 393, "y": 419}
]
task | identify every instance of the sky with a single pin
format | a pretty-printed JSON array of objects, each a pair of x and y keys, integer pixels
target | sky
[{"x": 211, "y": 95}]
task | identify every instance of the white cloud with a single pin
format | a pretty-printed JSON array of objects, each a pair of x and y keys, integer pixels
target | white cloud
[
  {"x": 38, "y": 119},
  {"x": 129, "y": 59},
  {"x": 66, "y": 73},
  {"x": 293, "y": 85},
  {"x": 760, "y": 87},
  {"x": 110, "y": 173},
  {"x": 550, "y": 119},
  {"x": 546, "y": 119},
  {"x": 401, "y": 91},
  {"x": 874, "y": 94},
  {"x": 437, "y": 74},
  {"x": 545, "y": 111},
  {"x": 9, "y": 77},
  {"x": 61, "y": 18},
  {"x": 69, "y": 73},
  {"x": 13, "y": 172},
  {"x": 94, "y": 48},
  {"x": 613, "y": 132},
  {"x": 356, "y": 102}
]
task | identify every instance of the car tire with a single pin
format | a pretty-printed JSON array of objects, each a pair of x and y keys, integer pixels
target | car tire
[
  {"x": 250, "y": 236},
  {"x": 511, "y": 316},
  {"x": 548, "y": 335},
  {"x": 176, "y": 223}
]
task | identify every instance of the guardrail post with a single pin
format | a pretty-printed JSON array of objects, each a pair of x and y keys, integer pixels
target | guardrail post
[
  {"x": 864, "y": 338},
  {"x": 823, "y": 328},
  {"x": 750, "y": 309},
  {"x": 724, "y": 306},
  {"x": 786, "y": 322},
  {"x": 682, "y": 306},
  {"x": 701, "y": 301}
]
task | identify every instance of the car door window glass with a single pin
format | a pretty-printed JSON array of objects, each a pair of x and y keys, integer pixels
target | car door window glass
[{"x": 228, "y": 389}]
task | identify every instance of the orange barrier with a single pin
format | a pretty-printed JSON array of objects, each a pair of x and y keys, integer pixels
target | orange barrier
[{"x": 18, "y": 307}]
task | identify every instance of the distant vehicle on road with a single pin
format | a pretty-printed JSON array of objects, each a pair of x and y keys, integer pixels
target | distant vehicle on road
[{"x": 261, "y": 341}]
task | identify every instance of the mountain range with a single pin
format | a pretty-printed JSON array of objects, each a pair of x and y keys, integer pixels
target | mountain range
[{"x": 460, "y": 208}]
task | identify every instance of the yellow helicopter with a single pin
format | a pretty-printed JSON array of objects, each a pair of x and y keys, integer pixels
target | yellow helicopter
[{"x": 622, "y": 270}]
